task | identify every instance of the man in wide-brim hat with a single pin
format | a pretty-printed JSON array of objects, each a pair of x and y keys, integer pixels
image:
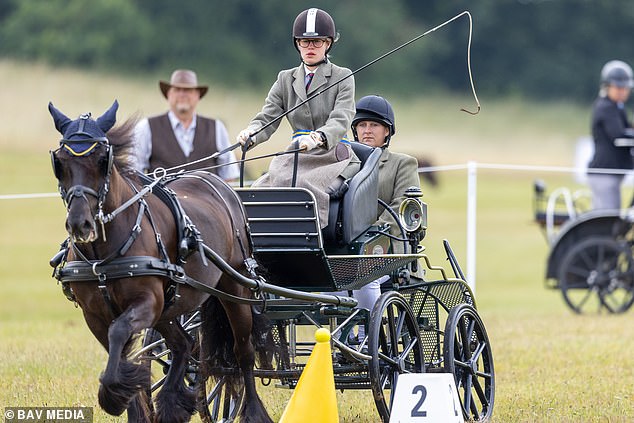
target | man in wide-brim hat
[
  {"x": 183, "y": 78},
  {"x": 181, "y": 136}
]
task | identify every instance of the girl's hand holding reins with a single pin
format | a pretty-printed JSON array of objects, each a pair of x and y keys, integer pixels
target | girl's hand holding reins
[
  {"x": 311, "y": 141},
  {"x": 243, "y": 136}
]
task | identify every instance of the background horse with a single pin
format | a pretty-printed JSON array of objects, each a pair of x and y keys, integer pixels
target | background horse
[{"x": 96, "y": 182}]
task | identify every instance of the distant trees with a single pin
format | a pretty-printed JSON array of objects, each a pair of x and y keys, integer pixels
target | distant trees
[{"x": 535, "y": 48}]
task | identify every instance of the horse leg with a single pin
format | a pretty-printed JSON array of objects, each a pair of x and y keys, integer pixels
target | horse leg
[
  {"x": 175, "y": 402},
  {"x": 122, "y": 380},
  {"x": 241, "y": 321},
  {"x": 138, "y": 411}
]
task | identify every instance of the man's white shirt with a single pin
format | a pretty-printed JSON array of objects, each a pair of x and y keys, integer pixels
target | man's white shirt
[{"x": 185, "y": 138}]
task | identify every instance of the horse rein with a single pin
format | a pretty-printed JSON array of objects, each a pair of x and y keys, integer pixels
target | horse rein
[{"x": 234, "y": 227}]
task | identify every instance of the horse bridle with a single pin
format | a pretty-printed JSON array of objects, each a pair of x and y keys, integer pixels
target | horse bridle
[{"x": 80, "y": 191}]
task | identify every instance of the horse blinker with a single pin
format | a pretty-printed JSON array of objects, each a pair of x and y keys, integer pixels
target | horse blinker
[{"x": 57, "y": 166}]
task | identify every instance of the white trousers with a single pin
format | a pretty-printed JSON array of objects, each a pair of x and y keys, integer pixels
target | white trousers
[
  {"x": 366, "y": 297},
  {"x": 606, "y": 191}
]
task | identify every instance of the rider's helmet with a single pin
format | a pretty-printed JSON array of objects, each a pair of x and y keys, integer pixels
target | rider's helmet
[
  {"x": 617, "y": 73},
  {"x": 375, "y": 108},
  {"x": 315, "y": 23}
]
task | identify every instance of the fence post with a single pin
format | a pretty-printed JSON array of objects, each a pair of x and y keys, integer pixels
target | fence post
[{"x": 472, "y": 174}]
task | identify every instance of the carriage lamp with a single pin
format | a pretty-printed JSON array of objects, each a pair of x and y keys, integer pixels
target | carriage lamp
[
  {"x": 413, "y": 218},
  {"x": 413, "y": 212}
]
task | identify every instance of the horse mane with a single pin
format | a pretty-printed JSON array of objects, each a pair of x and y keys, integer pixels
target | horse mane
[{"x": 121, "y": 137}]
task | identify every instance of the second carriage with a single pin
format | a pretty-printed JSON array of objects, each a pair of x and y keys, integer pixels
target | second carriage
[{"x": 591, "y": 251}]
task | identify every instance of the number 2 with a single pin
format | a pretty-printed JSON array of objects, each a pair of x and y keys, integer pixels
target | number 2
[{"x": 416, "y": 411}]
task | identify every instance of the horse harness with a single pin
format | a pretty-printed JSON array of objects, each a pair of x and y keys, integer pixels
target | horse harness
[{"x": 117, "y": 266}]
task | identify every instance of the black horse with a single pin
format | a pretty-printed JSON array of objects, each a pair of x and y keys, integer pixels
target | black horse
[{"x": 112, "y": 222}]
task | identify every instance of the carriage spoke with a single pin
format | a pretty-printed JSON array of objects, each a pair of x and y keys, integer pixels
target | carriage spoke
[
  {"x": 384, "y": 378},
  {"x": 388, "y": 360},
  {"x": 462, "y": 364},
  {"x": 158, "y": 383},
  {"x": 478, "y": 351},
  {"x": 467, "y": 391},
  {"x": 483, "y": 375},
  {"x": 586, "y": 259},
  {"x": 600, "y": 255},
  {"x": 408, "y": 358},
  {"x": 579, "y": 271},
  {"x": 383, "y": 339},
  {"x": 392, "y": 330},
  {"x": 585, "y": 298},
  {"x": 393, "y": 386},
  {"x": 475, "y": 411},
  {"x": 408, "y": 348},
  {"x": 398, "y": 327},
  {"x": 465, "y": 334},
  {"x": 478, "y": 388}
]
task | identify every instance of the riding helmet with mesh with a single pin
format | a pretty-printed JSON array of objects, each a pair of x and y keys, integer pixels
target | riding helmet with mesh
[
  {"x": 377, "y": 109},
  {"x": 617, "y": 73},
  {"x": 314, "y": 23}
]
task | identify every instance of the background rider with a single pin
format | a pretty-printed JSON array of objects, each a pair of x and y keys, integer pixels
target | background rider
[{"x": 609, "y": 122}]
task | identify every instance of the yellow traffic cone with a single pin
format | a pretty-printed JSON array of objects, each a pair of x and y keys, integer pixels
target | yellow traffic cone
[{"x": 314, "y": 398}]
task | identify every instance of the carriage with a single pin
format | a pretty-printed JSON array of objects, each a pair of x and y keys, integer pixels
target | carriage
[
  {"x": 417, "y": 325},
  {"x": 298, "y": 276},
  {"x": 591, "y": 257}
]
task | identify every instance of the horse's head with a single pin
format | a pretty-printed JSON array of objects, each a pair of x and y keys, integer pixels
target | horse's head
[{"x": 82, "y": 165}]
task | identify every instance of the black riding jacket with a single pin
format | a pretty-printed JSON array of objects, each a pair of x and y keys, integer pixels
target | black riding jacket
[{"x": 608, "y": 123}]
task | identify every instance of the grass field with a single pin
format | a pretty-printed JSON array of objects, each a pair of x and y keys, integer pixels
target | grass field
[{"x": 551, "y": 365}]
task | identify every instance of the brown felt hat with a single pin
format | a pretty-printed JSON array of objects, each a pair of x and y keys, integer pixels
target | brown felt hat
[{"x": 183, "y": 78}]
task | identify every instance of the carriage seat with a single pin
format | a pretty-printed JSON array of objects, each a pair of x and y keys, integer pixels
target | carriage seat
[
  {"x": 284, "y": 227},
  {"x": 356, "y": 211}
]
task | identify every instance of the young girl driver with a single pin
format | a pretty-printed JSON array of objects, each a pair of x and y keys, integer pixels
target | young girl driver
[{"x": 320, "y": 125}]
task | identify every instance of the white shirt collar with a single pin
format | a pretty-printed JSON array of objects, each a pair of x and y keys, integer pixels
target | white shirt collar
[
  {"x": 177, "y": 123},
  {"x": 307, "y": 71}
]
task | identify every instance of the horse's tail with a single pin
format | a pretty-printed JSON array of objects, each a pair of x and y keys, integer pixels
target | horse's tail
[{"x": 217, "y": 342}]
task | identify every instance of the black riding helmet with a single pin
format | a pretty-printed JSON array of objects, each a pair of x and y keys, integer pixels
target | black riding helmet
[
  {"x": 377, "y": 109},
  {"x": 617, "y": 73},
  {"x": 314, "y": 23}
]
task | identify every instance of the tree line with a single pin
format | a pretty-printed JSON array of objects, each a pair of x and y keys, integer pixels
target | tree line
[{"x": 542, "y": 49}]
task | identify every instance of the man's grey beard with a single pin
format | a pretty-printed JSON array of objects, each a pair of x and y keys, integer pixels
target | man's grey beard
[{"x": 183, "y": 108}]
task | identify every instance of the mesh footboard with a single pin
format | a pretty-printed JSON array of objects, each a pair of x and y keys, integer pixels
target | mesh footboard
[{"x": 352, "y": 272}]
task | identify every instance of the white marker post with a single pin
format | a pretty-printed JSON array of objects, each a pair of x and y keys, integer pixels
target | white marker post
[{"x": 426, "y": 398}]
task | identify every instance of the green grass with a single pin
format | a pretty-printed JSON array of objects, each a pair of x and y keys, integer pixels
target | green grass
[{"x": 551, "y": 365}]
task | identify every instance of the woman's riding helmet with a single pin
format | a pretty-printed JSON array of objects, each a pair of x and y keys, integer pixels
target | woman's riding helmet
[
  {"x": 377, "y": 109},
  {"x": 617, "y": 73}
]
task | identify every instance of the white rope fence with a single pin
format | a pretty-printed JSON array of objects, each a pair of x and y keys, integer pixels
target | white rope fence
[
  {"x": 28, "y": 196},
  {"x": 472, "y": 174}
]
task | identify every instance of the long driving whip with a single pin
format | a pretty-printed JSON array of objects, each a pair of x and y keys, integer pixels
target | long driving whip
[{"x": 383, "y": 56}]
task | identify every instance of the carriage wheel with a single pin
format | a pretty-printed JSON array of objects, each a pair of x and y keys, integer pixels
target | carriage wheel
[
  {"x": 395, "y": 347},
  {"x": 467, "y": 355},
  {"x": 598, "y": 273},
  {"x": 216, "y": 403}
]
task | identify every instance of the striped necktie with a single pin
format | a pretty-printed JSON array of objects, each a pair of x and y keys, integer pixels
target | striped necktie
[{"x": 309, "y": 79}]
